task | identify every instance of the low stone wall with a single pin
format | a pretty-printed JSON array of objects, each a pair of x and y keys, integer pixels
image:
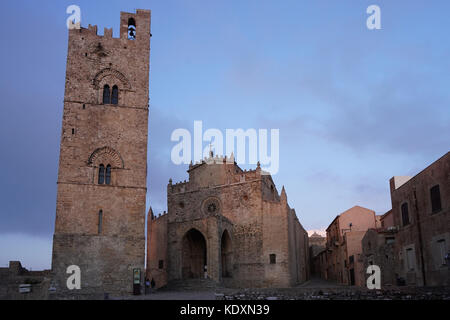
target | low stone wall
[{"x": 15, "y": 275}]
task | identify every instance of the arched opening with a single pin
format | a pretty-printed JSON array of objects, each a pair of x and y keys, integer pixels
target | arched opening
[
  {"x": 193, "y": 253},
  {"x": 131, "y": 29},
  {"x": 101, "y": 174},
  {"x": 226, "y": 255},
  {"x": 115, "y": 95},
  {"x": 106, "y": 95},
  {"x": 108, "y": 174}
]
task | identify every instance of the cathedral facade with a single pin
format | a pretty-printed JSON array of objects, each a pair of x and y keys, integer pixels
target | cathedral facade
[{"x": 227, "y": 225}]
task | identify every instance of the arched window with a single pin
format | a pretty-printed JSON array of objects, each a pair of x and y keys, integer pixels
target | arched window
[
  {"x": 100, "y": 221},
  {"x": 108, "y": 174},
  {"x": 101, "y": 174},
  {"x": 131, "y": 29},
  {"x": 115, "y": 95},
  {"x": 106, "y": 95}
]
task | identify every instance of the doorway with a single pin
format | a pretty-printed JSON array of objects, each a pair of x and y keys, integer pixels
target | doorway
[
  {"x": 352, "y": 277},
  {"x": 194, "y": 257}
]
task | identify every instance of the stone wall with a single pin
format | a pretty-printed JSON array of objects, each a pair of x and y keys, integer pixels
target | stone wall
[
  {"x": 221, "y": 198},
  {"x": 106, "y": 248},
  {"x": 378, "y": 249},
  {"x": 426, "y": 239},
  {"x": 157, "y": 249},
  {"x": 317, "y": 244},
  {"x": 15, "y": 275}
]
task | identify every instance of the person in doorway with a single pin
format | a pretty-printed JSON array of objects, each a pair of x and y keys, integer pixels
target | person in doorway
[
  {"x": 206, "y": 271},
  {"x": 147, "y": 286}
]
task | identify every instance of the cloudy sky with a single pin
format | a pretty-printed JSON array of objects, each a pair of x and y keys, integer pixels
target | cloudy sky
[{"x": 354, "y": 106}]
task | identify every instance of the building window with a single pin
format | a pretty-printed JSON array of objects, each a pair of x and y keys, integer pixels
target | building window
[
  {"x": 131, "y": 29},
  {"x": 104, "y": 174},
  {"x": 106, "y": 95},
  {"x": 101, "y": 174},
  {"x": 410, "y": 259},
  {"x": 161, "y": 264},
  {"x": 108, "y": 174},
  {"x": 351, "y": 259},
  {"x": 435, "y": 199},
  {"x": 100, "y": 221},
  {"x": 405, "y": 214},
  {"x": 441, "y": 251},
  {"x": 115, "y": 95},
  {"x": 273, "y": 258}
]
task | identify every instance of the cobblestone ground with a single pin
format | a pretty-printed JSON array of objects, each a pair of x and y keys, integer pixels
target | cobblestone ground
[
  {"x": 322, "y": 290},
  {"x": 312, "y": 290}
]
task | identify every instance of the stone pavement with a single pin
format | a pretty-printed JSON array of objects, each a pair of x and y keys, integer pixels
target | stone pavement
[
  {"x": 315, "y": 289},
  {"x": 175, "y": 295}
]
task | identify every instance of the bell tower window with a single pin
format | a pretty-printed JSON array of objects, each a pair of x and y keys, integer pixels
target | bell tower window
[
  {"x": 131, "y": 29},
  {"x": 108, "y": 174},
  {"x": 115, "y": 95},
  {"x": 101, "y": 174},
  {"x": 106, "y": 95}
]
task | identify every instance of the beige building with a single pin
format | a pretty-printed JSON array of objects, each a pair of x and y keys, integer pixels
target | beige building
[
  {"x": 342, "y": 261},
  {"x": 230, "y": 226}
]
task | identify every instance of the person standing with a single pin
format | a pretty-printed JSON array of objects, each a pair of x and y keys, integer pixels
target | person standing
[
  {"x": 147, "y": 285},
  {"x": 153, "y": 284}
]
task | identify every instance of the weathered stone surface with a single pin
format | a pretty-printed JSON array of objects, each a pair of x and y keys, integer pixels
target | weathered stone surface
[
  {"x": 94, "y": 134},
  {"x": 15, "y": 275},
  {"x": 242, "y": 221},
  {"x": 427, "y": 236}
]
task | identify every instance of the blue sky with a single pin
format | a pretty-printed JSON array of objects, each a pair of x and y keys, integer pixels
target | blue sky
[{"x": 354, "y": 106}]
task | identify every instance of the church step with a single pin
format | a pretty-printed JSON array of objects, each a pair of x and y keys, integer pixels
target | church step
[{"x": 192, "y": 284}]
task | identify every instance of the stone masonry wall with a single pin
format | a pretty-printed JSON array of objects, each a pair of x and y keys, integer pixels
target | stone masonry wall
[
  {"x": 157, "y": 249},
  {"x": 258, "y": 221},
  {"x": 94, "y": 133},
  {"x": 427, "y": 230}
]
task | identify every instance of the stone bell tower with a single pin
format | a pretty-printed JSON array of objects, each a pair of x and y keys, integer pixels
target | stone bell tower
[{"x": 100, "y": 211}]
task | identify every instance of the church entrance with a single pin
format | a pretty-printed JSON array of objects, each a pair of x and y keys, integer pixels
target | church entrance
[
  {"x": 193, "y": 255},
  {"x": 226, "y": 253}
]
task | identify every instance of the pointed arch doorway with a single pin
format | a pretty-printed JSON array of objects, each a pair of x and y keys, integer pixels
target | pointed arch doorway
[{"x": 194, "y": 258}]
